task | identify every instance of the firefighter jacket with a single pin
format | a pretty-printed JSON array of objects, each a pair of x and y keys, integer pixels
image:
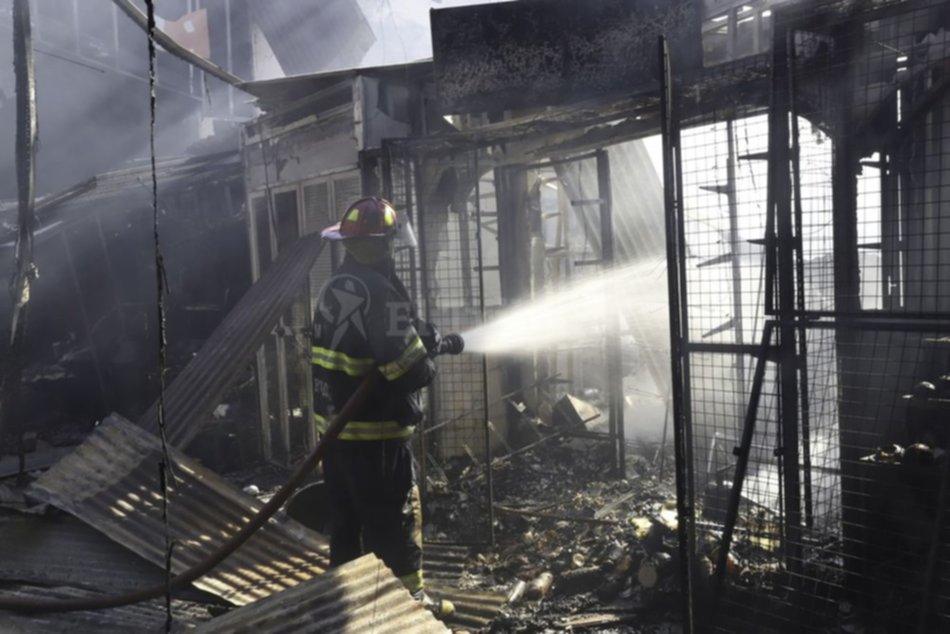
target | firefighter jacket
[{"x": 364, "y": 323}]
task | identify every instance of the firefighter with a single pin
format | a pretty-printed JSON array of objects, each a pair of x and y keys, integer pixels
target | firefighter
[{"x": 365, "y": 322}]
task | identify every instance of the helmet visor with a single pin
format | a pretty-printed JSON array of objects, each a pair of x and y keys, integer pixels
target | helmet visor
[{"x": 405, "y": 236}]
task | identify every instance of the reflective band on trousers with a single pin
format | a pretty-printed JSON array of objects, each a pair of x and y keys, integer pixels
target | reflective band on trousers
[
  {"x": 410, "y": 356},
  {"x": 412, "y": 581},
  {"x": 333, "y": 360},
  {"x": 367, "y": 430}
]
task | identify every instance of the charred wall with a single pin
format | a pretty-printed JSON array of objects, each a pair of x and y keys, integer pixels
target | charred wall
[{"x": 92, "y": 326}]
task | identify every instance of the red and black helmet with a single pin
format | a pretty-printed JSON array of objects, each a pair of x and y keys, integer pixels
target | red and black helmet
[{"x": 366, "y": 218}]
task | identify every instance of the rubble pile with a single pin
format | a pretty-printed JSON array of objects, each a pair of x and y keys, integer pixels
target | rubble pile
[{"x": 576, "y": 547}]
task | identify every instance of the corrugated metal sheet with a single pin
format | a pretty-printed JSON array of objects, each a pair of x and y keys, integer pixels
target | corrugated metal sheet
[
  {"x": 61, "y": 550},
  {"x": 313, "y": 36},
  {"x": 444, "y": 565},
  {"x": 111, "y": 482},
  {"x": 281, "y": 91},
  {"x": 145, "y": 617},
  {"x": 193, "y": 395},
  {"x": 174, "y": 174},
  {"x": 360, "y": 596}
]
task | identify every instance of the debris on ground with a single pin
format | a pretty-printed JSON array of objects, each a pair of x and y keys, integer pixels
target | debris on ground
[{"x": 576, "y": 547}]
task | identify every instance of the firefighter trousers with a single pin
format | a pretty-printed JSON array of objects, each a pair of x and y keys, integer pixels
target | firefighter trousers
[{"x": 374, "y": 505}]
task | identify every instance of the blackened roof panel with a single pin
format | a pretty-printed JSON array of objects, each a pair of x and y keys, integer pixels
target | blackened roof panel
[{"x": 534, "y": 53}]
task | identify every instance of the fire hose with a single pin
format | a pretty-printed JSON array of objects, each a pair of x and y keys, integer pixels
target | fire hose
[{"x": 450, "y": 344}]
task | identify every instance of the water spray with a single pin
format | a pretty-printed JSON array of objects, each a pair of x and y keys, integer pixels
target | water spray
[{"x": 578, "y": 314}]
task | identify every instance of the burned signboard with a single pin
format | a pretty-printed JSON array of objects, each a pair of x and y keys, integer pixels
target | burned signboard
[{"x": 545, "y": 52}]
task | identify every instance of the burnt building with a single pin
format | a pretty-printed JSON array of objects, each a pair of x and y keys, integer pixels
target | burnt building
[{"x": 699, "y": 253}]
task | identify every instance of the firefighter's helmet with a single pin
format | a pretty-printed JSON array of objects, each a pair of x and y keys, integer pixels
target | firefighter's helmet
[{"x": 371, "y": 217}]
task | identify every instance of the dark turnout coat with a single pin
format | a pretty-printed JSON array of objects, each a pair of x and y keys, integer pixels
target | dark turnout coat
[{"x": 365, "y": 320}]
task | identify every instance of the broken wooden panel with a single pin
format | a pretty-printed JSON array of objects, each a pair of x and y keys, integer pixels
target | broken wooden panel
[
  {"x": 111, "y": 482},
  {"x": 360, "y": 596}
]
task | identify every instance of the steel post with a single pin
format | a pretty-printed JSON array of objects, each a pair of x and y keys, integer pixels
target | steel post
[{"x": 675, "y": 258}]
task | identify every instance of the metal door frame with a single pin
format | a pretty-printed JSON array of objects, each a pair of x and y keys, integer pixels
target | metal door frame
[
  {"x": 263, "y": 380},
  {"x": 612, "y": 349}
]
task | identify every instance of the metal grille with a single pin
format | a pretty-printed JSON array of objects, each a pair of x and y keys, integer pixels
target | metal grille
[
  {"x": 452, "y": 288},
  {"x": 724, "y": 174},
  {"x": 493, "y": 238},
  {"x": 445, "y": 275},
  {"x": 814, "y": 251}
]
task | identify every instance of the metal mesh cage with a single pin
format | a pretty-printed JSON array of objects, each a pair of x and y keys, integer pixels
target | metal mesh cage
[
  {"x": 494, "y": 238},
  {"x": 442, "y": 198},
  {"x": 815, "y": 246}
]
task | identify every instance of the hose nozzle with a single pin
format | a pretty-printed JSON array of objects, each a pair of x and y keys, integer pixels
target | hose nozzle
[{"x": 452, "y": 343}]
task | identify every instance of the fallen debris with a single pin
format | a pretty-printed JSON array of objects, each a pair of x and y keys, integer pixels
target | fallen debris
[
  {"x": 538, "y": 588},
  {"x": 571, "y": 538},
  {"x": 360, "y": 596},
  {"x": 653, "y": 569}
]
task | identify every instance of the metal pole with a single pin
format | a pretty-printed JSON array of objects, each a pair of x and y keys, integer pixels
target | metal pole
[
  {"x": 666, "y": 426},
  {"x": 614, "y": 352},
  {"x": 426, "y": 306},
  {"x": 26, "y": 137},
  {"x": 677, "y": 329},
  {"x": 481, "y": 307},
  {"x": 734, "y": 242},
  {"x": 411, "y": 178},
  {"x": 933, "y": 552},
  {"x": 848, "y": 338},
  {"x": 800, "y": 289},
  {"x": 780, "y": 183},
  {"x": 742, "y": 463},
  {"x": 229, "y": 60}
]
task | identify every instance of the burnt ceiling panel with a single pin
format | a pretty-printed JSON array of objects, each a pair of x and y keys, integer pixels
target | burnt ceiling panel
[{"x": 547, "y": 52}]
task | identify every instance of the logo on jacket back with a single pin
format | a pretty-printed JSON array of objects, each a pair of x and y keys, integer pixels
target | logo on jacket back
[{"x": 344, "y": 303}]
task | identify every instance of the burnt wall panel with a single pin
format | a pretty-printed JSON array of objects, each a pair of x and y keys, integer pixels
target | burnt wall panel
[{"x": 301, "y": 154}]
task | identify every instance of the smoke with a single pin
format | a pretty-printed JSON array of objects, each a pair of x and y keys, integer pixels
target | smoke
[{"x": 402, "y": 28}]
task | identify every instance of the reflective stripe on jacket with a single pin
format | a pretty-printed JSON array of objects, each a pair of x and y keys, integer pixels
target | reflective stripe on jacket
[{"x": 367, "y": 430}]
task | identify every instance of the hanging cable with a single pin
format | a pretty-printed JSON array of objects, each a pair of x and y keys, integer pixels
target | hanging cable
[
  {"x": 165, "y": 475},
  {"x": 26, "y": 272}
]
